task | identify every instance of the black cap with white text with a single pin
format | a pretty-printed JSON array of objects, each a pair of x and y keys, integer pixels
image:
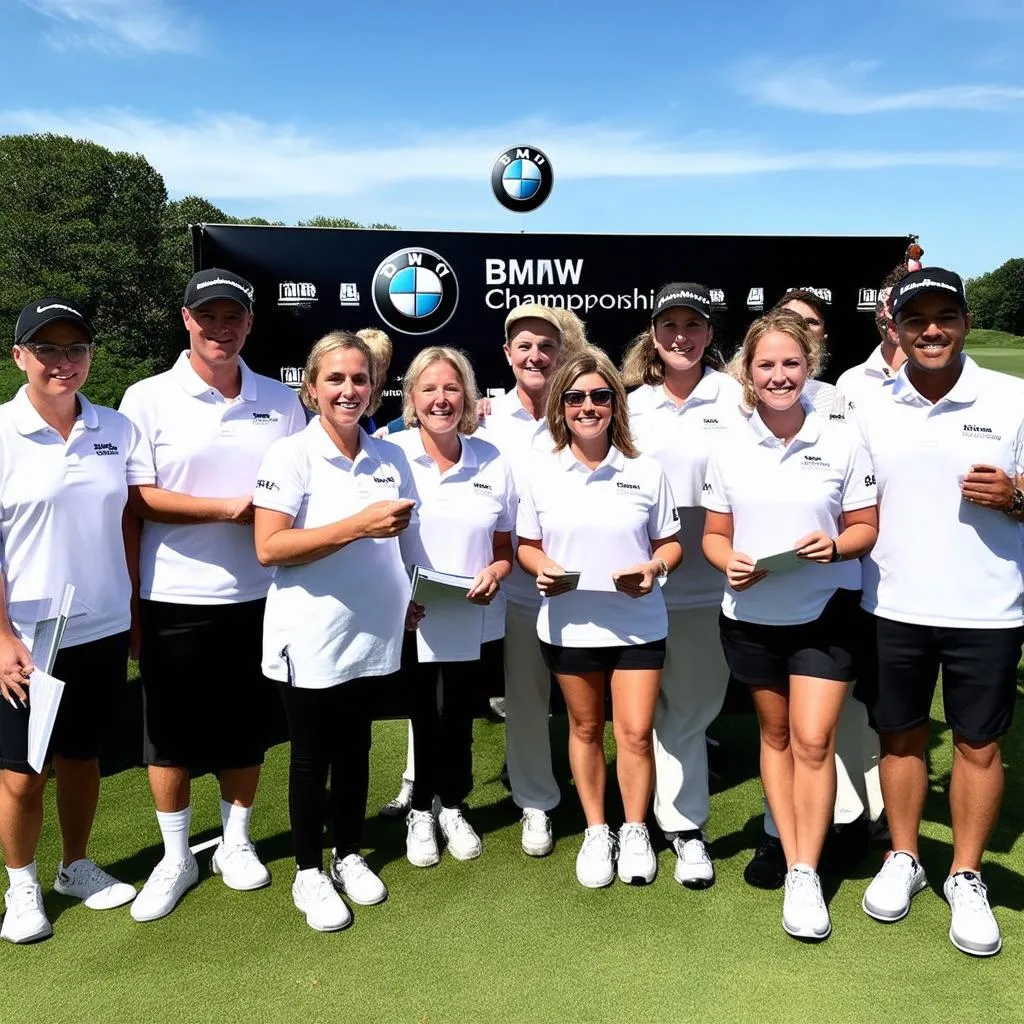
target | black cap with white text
[
  {"x": 216, "y": 283},
  {"x": 45, "y": 311},
  {"x": 686, "y": 294},
  {"x": 928, "y": 281}
]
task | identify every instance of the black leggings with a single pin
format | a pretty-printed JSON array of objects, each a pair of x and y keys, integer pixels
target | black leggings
[{"x": 329, "y": 728}]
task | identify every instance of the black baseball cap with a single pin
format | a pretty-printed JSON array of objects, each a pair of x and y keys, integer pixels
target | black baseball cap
[
  {"x": 925, "y": 281},
  {"x": 46, "y": 311},
  {"x": 686, "y": 294},
  {"x": 216, "y": 283}
]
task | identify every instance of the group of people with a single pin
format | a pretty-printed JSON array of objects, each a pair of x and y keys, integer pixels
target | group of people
[{"x": 653, "y": 529}]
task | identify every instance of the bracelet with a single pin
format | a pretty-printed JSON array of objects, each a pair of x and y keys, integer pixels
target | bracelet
[
  {"x": 836, "y": 557},
  {"x": 663, "y": 572}
]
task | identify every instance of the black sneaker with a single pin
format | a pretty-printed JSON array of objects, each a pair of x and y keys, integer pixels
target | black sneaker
[{"x": 767, "y": 868}]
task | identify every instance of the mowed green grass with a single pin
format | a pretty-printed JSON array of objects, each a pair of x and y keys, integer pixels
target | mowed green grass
[
  {"x": 1006, "y": 360},
  {"x": 510, "y": 939}
]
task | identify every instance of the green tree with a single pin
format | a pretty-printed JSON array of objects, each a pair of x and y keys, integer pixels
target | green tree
[
  {"x": 996, "y": 299},
  {"x": 342, "y": 222}
]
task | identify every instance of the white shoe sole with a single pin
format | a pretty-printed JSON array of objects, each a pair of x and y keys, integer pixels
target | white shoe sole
[
  {"x": 599, "y": 884},
  {"x": 325, "y": 928},
  {"x": 807, "y": 936},
  {"x": 163, "y": 913},
  {"x": 970, "y": 950},
  {"x": 886, "y": 917},
  {"x": 538, "y": 849},
  {"x": 24, "y": 940},
  {"x": 694, "y": 881},
  {"x": 459, "y": 855},
  {"x": 422, "y": 862},
  {"x": 638, "y": 879},
  {"x": 336, "y": 879},
  {"x": 261, "y": 884}
]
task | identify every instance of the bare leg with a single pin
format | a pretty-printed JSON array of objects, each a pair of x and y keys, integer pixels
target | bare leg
[
  {"x": 772, "y": 706},
  {"x": 975, "y": 795},
  {"x": 584, "y": 700},
  {"x": 904, "y": 776},
  {"x": 171, "y": 787},
  {"x": 78, "y": 793},
  {"x": 634, "y": 698},
  {"x": 21, "y": 816}
]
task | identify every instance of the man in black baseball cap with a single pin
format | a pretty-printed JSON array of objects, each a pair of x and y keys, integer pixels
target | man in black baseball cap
[
  {"x": 686, "y": 294},
  {"x": 929, "y": 281},
  {"x": 216, "y": 283},
  {"x": 37, "y": 315}
]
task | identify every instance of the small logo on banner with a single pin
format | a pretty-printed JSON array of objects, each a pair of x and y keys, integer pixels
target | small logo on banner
[
  {"x": 717, "y": 298},
  {"x": 292, "y": 376},
  {"x": 522, "y": 179},
  {"x": 415, "y": 291},
  {"x": 296, "y": 293},
  {"x": 867, "y": 300},
  {"x": 349, "y": 294},
  {"x": 755, "y": 299}
]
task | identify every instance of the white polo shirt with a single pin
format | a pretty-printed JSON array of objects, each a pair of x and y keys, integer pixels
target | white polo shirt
[
  {"x": 197, "y": 442},
  {"x": 343, "y": 616},
  {"x": 460, "y": 510},
  {"x": 940, "y": 560},
  {"x": 680, "y": 439},
  {"x": 823, "y": 396},
  {"x": 865, "y": 379},
  {"x": 519, "y": 437},
  {"x": 60, "y": 518},
  {"x": 778, "y": 494},
  {"x": 596, "y": 522}
]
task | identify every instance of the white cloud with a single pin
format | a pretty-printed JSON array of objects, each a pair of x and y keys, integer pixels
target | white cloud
[
  {"x": 237, "y": 157},
  {"x": 119, "y": 26},
  {"x": 814, "y": 87}
]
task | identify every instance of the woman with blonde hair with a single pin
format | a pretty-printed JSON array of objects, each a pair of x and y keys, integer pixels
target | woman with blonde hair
[
  {"x": 790, "y": 488},
  {"x": 330, "y": 502},
  {"x": 464, "y": 527},
  {"x": 679, "y": 410},
  {"x": 597, "y": 527}
]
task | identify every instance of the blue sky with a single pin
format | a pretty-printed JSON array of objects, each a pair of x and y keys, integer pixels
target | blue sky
[{"x": 796, "y": 118}]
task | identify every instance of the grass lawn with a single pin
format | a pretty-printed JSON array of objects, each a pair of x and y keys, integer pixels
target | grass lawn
[
  {"x": 1006, "y": 360},
  {"x": 510, "y": 939}
]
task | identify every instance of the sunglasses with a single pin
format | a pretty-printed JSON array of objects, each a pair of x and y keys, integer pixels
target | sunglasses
[
  {"x": 599, "y": 396},
  {"x": 46, "y": 352}
]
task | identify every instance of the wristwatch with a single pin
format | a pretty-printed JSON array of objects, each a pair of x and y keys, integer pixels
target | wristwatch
[
  {"x": 1016, "y": 503},
  {"x": 836, "y": 557}
]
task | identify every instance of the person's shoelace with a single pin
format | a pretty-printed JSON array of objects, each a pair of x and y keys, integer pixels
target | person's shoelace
[{"x": 971, "y": 892}]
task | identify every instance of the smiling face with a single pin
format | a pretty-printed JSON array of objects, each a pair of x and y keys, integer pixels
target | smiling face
[
  {"x": 54, "y": 360},
  {"x": 681, "y": 336},
  {"x": 931, "y": 330},
  {"x": 217, "y": 331},
  {"x": 342, "y": 388},
  {"x": 438, "y": 398},
  {"x": 778, "y": 371},
  {"x": 588, "y": 421},
  {"x": 533, "y": 351},
  {"x": 811, "y": 317}
]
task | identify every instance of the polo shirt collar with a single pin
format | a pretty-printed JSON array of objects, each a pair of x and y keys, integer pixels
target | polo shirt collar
[
  {"x": 320, "y": 442},
  {"x": 27, "y": 420},
  {"x": 195, "y": 386},
  {"x": 654, "y": 396},
  {"x": 615, "y": 460},
  {"x": 467, "y": 457},
  {"x": 808, "y": 433},
  {"x": 876, "y": 366},
  {"x": 512, "y": 405},
  {"x": 963, "y": 392}
]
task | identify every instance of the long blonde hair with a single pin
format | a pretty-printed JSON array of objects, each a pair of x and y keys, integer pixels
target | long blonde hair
[
  {"x": 590, "y": 360},
  {"x": 784, "y": 321},
  {"x": 457, "y": 360},
  {"x": 325, "y": 346}
]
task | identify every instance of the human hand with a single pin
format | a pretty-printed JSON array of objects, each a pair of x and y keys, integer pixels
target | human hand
[
  {"x": 989, "y": 487},
  {"x": 740, "y": 572},
  {"x": 815, "y": 547},
  {"x": 551, "y": 581},
  {"x": 485, "y": 586},
  {"x": 15, "y": 668},
  {"x": 636, "y": 581},
  {"x": 386, "y": 518}
]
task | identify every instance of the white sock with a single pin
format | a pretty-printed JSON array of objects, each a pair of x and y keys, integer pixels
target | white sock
[
  {"x": 23, "y": 876},
  {"x": 174, "y": 827},
  {"x": 235, "y": 820}
]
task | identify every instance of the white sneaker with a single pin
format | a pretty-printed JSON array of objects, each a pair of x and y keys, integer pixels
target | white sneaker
[
  {"x": 25, "y": 920},
  {"x": 240, "y": 867},
  {"x": 694, "y": 868},
  {"x": 356, "y": 880},
  {"x": 804, "y": 914},
  {"x": 637, "y": 863},
  {"x": 538, "y": 840},
  {"x": 169, "y": 881},
  {"x": 974, "y": 928},
  {"x": 325, "y": 910},
  {"x": 888, "y": 896},
  {"x": 400, "y": 804},
  {"x": 498, "y": 706},
  {"x": 421, "y": 840},
  {"x": 595, "y": 863},
  {"x": 87, "y": 881},
  {"x": 463, "y": 842}
]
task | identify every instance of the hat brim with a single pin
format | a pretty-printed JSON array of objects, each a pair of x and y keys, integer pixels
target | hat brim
[
  {"x": 957, "y": 301},
  {"x": 85, "y": 327},
  {"x": 231, "y": 294},
  {"x": 681, "y": 305}
]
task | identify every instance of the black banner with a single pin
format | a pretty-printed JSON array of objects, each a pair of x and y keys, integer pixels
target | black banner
[{"x": 455, "y": 288}]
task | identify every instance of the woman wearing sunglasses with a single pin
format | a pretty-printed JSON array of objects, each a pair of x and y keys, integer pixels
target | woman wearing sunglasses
[
  {"x": 598, "y": 527},
  {"x": 64, "y": 467}
]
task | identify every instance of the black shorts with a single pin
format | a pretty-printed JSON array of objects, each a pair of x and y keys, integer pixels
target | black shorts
[
  {"x": 95, "y": 675},
  {"x": 979, "y": 676},
  {"x": 206, "y": 704},
  {"x": 761, "y": 655},
  {"x": 579, "y": 661}
]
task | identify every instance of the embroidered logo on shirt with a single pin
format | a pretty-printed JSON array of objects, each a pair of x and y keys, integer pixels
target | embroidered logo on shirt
[
  {"x": 384, "y": 480},
  {"x": 711, "y": 423},
  {"x": 706, "y": 489},
  {"x": 482, "y": 487},
  {"x": 105, "y": 449},
  {"x": 982, "y": 433},
  {"x": 815, "y": 462},
  {"x": 264, "y": 417},
  {"x": 267, "y": 485},
  {"x": 627, "y": 487}
]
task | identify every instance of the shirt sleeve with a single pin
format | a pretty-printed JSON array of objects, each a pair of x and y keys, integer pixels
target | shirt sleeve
[
  {"x": 713, "y": 493},
  {"x": 281, "y": 481},
  {"x": 509, "y": 502},
  {"x": 859, "y": 490},
  {"x": 137, "y": 464},
  {"x": 663, "y": 518},
  {"x": 527, "y": 520},
  {"x": 141, "y": 468}
]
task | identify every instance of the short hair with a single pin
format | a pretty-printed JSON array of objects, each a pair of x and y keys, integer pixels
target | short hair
[
  {"x": 329, "y": 343},
  {"x": 783, "y": 321},
  {"x": 533, "y": 311},
  {"x": 382, "y": 350},
  {"x": 457, "y": 360},
  {"x": 883, "y": 307},
  {"x": 590, "y": 360},
  {"x": 806, "y": 296}
]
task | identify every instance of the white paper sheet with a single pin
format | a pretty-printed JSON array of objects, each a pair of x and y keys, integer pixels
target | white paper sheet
[
  {"x": 452, "y": 627},
  {"x": 44, "y": 694},
  {"x": 49, "y": 631}
]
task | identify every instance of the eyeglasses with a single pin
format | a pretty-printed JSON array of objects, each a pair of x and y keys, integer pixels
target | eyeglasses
[
  {"x": 46, "y": 352},
  {"x": 599, "y": 396}
]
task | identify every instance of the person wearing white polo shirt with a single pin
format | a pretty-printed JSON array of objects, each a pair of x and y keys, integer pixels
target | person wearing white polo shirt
[
  {"x": 517, "y": 427},
  {"x": 64, "y": 465},
  {"x": 792, "y": 484},
  {"x": 811, "y": 307},
  {"x": 596, "y": 507},
  {"x": 945, "y": 589},
  {"x": 464, "y": 526},
  {"x": 681, "y": 408},
  {"x": 330, "y": 502},
  {"x": 206, "y": 424}
]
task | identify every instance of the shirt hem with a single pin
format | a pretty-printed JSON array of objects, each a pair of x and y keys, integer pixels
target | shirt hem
[{"x": 936, "y": 620}]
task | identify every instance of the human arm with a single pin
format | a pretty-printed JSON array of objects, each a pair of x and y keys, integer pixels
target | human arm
[
  {"x": 131, "y": 531},
  {"x": 15, "y": 659},
  {"x": 488, "y": 580},
  {"x": 718, "y": 550},
  {"x": 992, "y": 487}
]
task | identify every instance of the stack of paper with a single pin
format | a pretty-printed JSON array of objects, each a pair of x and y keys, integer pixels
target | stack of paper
[
  {"x": 453, "y": 626},
  {"x": 44, "y": 693}
]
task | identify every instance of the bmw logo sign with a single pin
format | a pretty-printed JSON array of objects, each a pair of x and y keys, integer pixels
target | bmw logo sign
[
  {"x": 415, "y": 291},
  {"x": 521, "y": 179}
]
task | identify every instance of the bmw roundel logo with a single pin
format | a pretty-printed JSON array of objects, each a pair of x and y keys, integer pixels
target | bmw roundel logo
[
  {"x": 415, "y": 291},
  {"x": 521, "y": 178}
]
